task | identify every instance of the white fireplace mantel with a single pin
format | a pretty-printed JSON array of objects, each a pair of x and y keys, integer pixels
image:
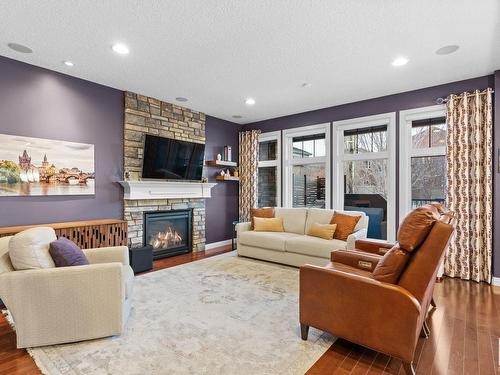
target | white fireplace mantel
[{"x": 134, "y": 190}]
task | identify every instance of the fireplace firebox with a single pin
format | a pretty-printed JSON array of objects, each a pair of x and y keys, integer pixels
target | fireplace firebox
[{"x": 168, "y": 232}]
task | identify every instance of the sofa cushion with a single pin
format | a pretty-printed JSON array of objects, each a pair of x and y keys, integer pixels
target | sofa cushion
[
  {"x": 318, "y": 216},
  {"x": 266, "y": 240},
  {"x": 267, "y": 212},
  {"x": 272, "y": 224},
  {"x": 313, "y": 246},
  {"x": 294, "y": 219},
  {"x": 324, "y": 231},
  {"x": 66, "y": 253},
  {"x": 128, "y": 280},
  {"x": 345, "y": 225},
  {"x": 29, "y": 249}
]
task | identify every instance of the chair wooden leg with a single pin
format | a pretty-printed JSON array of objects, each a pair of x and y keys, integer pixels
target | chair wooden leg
[
  {"x": 427, "y": 329},
  {"x": 433, "y": 303},
  {"x": 304, "y": 330},
  {"x": 408, "y": 366},
  {"x": 423, "y": 332}
]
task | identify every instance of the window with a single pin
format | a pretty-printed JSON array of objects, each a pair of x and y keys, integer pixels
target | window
[
  {"x": 364, "y": 171},
  {"x": 268, "y": 181},
  {"x": 423, "y": 157},
  {"x": 307, "y": 166}
]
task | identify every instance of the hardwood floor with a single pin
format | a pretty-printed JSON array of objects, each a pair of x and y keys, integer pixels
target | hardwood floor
[{"x": 465, "y": 329}]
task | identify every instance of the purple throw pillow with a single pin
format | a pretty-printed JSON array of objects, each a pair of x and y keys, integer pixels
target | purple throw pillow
[{"x": 66, "y": 253}]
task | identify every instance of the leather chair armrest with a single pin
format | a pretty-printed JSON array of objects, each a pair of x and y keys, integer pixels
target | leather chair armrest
[
  {"x": 378, "y": 315},
  {"x": 374, "y": 247},
  {"x": 357, "y": 259}
]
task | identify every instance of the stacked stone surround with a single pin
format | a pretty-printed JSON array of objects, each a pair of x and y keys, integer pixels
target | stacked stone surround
[{"x": 145, "y": 115}]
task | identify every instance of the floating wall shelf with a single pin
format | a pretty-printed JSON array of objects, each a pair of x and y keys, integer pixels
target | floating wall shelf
[
  {"x": 226, "y": 178},
  {"x": 221, "y": 163}
]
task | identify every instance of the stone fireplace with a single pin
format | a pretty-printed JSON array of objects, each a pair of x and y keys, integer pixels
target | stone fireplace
[{"x": 145, "y": 115}]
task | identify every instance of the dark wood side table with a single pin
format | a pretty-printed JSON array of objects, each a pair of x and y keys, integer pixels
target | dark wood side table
[{"x": 141, "y": 259}]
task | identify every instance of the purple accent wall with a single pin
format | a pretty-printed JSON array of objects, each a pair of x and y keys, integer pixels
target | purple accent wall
[
  {"x": 395, "y": 103},
  {"x": 36, "y": 102},
  {"x": 222, "y": 208}
]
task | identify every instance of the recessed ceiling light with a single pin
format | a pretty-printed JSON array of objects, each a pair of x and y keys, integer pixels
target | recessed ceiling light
[
  {"x": 68, "y": 63},
  {"x": 400, "y": 61},
  {"x": 306, "y": 85},
  {"x": 446, "y": 50},
  {"x": 249, "y": 101},
  {"x": 120, "y": 48},
  {"x": 237, "y": 116},
  {"x": 19, "y": 48},
  {"x": 181, "y": 99}
]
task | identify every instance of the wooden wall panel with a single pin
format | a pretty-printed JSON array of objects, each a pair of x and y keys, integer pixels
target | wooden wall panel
[{"x": 86, "y": 234}]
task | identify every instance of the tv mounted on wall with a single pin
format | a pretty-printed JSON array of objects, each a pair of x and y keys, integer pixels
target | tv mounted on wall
[{"x": 170, "y": 159}]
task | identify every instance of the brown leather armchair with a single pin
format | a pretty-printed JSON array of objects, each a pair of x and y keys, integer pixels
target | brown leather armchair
[{"x": 378, "y": 296}]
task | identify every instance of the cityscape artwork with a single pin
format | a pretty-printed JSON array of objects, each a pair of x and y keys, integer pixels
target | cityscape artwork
[{"x": 36, "y": 166}]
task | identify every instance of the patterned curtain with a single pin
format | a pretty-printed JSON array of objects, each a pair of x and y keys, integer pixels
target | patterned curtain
[
  {"x": 248, "y": 168},
  {"x": 469, "y": 193}
]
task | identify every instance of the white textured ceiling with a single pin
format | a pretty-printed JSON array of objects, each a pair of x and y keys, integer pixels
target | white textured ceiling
[{"x": 218, "y": 52}]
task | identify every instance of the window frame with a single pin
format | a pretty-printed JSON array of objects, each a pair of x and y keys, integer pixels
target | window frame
[
  {"x": 340, "y": 157},
  {"x": 273, "y": 136},
  {"x": 289, "y": 161},
  {"x": 407, "y": 152}
]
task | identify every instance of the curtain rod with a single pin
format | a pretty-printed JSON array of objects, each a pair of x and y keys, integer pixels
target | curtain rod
[{"x": 445, "y": 100}]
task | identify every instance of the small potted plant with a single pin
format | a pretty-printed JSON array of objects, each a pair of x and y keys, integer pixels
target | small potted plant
[{"x": 236, "y": 173}]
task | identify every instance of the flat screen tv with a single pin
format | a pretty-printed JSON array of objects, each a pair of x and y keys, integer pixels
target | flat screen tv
[{"x": 170, "y": 159}]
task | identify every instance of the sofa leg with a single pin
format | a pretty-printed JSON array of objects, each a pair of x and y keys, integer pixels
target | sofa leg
[
  {"x": 304, "y": 330},
  {"x": 408, "y": 366},
  {"x": 433, "y": 303}
]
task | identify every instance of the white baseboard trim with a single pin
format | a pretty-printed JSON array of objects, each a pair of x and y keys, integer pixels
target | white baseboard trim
[
  {"x": 495, "y": 281},
  {"x": 213, "y": 245}
]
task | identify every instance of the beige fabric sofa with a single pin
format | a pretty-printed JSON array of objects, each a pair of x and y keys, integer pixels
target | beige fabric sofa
[
  {"x": 67, "y": 304},
  {"x": 294, "y": 247}
]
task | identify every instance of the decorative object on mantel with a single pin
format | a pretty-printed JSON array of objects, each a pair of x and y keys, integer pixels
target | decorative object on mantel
[
  {"x": 204, "y": 180},
  {"x": 87, "y": 234},
  {"x": 37, "y": 166},
  {"x": 219, "y": 157},
  {"x": 165, "y": 189}
]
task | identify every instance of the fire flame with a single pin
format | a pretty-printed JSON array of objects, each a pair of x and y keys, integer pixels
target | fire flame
[{"x": 164, "y": 240}]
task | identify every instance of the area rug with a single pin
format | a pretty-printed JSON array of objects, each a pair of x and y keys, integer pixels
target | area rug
[{"x": 220, "y": 315}]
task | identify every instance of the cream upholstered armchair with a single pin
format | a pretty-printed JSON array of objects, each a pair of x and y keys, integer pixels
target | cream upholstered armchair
[{"x": 67, "y": 304}]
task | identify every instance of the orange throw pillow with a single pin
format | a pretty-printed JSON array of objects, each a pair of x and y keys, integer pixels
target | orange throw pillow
[
  {"x": 345, "y": 225},
  {"x": 266, "y": 212}
]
